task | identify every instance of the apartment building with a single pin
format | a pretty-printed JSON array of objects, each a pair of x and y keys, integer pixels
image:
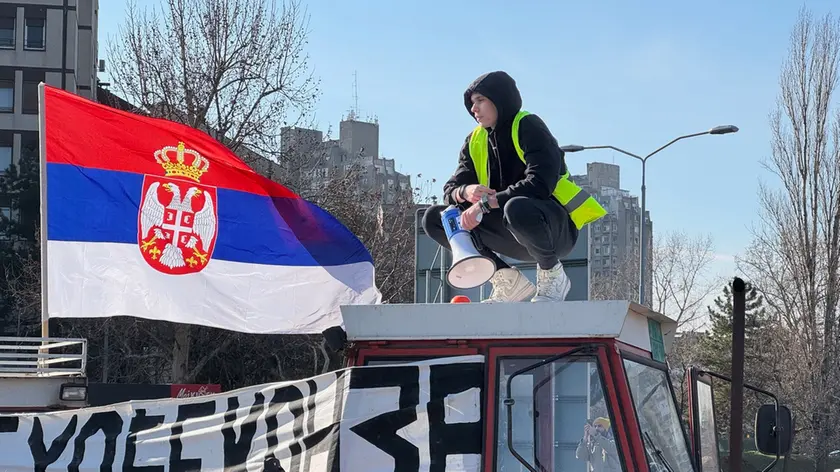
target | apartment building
[
  {"x": 356, "y": 150},
  {"x": 615, "y": 237},
  {"x": 51, "y": 41}
]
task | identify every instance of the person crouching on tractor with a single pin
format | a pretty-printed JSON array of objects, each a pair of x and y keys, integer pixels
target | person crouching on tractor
[{"x": 513, "y": 174}]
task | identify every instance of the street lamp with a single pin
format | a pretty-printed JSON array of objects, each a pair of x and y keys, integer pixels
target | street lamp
[{"x": 724, "y": 129}]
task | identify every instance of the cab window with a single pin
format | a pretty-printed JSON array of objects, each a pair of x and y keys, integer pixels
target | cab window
[
  {"x": 666, "y": 445},
  {"x": 708, "y": 432},
  {"x": 560, "y": 418}
]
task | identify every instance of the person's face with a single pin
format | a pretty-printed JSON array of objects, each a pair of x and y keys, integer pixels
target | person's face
[
  {"x": 600, "y": 429},
  {"x": 484, "y": 111}
]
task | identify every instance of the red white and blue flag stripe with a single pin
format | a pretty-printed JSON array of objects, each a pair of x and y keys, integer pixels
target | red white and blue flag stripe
[{"x": 153, "y": 219}]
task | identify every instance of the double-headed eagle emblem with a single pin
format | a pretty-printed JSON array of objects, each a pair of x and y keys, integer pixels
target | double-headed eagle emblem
[{"x": 177, "y": 228}]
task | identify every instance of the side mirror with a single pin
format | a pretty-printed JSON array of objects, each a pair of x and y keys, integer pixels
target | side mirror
[{"x": 773, "y": 438}]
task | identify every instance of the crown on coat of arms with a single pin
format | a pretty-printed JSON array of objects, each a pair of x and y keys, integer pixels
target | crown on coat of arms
[{"x": 177, "y": 167}]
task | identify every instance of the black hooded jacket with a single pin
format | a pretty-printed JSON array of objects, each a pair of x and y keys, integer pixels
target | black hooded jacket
[{"x": 509, "y": 176}]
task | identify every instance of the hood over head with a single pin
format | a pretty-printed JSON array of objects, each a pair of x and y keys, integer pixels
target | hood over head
[{"x": 501, "y": 89}]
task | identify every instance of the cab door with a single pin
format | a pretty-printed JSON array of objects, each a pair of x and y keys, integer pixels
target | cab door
[{"x": 558, "y": 393}]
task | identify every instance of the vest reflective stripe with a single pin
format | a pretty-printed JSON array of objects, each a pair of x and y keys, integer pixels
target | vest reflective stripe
[
  {"x": 478, "y": 147},
  {"x": 582, "y": 207}
]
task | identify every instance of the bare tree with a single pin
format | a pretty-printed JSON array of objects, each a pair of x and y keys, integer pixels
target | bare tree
[
  {"x": 236, "y": 69},
  {"x": 22, "y": 290},
  {"x": 233, "y": 68},
  {"x": 386, "y": 227},
  {"x": 621, "y": 282},
  {"x": 685, "y": 351},
  {"x": 681, "y": 277},
  {"x": 795, "y": 255}
]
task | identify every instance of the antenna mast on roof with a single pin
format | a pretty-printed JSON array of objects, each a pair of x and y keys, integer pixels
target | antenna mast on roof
[
  {"x": 354, "y": 110},
  {"x": 356, "y": 91}
]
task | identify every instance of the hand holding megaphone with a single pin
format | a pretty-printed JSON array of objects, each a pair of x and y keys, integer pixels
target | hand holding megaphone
[
  {"x": 469, "y": 268},
  {"x": 471, "y": 217}
]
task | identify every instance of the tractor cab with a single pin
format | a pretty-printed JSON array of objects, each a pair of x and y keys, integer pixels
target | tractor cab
[{"x": 569, "y": 386}]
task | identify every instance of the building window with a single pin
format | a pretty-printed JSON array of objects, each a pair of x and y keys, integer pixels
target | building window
[
  {"x": 31, "y": 79},
  {"x": 7, "y": 31},
  {"x": 30, "y": 148},
  {"x": 5, "y": 157},
  {"x": 7, "y": 94},
  {"x": 35, "y": 33}
]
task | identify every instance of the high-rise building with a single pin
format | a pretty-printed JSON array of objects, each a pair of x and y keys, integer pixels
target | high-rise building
[
  {"x": 614, "y": 239},
  {"x": 356, "y": 150},
  {"x": 359, "y": 138},
  {"x": 50, "y": 41}
]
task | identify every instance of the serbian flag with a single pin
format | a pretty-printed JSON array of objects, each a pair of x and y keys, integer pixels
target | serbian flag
[{"x": 153, "y": 219}]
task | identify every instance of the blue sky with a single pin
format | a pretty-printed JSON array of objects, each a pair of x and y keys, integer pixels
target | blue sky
[{"x": 629, "y": 74}]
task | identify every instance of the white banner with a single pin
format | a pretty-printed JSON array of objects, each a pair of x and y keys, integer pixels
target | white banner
[{"x": 423, "y": 416}]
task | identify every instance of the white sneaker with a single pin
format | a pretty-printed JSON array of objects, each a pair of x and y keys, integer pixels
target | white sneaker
[
  {"x": 552, "y": 285},
  {"x": 509, "y": 285}
]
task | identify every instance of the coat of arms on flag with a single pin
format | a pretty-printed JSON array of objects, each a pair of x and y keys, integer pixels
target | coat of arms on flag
[{"x": 178, "y": 217}]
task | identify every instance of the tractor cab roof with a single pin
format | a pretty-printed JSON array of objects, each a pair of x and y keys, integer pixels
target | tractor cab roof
[{"x": 625, "y": 321}]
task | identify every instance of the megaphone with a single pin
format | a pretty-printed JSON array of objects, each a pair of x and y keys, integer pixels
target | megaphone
[{"x": 469, "y": 268}]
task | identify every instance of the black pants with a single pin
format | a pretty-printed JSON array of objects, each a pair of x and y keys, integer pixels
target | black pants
[{"x": 527, "y": 229}]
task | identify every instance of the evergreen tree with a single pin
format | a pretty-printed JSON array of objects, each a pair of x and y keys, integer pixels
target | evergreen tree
[
  {"x": 717, "y": 345},
  {"x": 716, "y": 353}
]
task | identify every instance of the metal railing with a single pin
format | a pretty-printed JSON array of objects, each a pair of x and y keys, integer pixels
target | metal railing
[
  {"x": 37, "y": 357},
  {"x": 441, "y": 287}
]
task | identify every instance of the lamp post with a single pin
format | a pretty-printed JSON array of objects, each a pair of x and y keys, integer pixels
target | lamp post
[{"x": 725, "y": 129}]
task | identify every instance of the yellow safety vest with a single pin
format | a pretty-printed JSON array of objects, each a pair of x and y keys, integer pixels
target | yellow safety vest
[{"x": 582, "y": 207}]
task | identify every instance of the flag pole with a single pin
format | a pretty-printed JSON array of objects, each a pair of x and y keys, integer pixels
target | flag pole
[{"x": 42, "y": 141}]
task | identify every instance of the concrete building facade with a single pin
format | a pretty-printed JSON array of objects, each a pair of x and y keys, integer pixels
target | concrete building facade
[
  {"x": 614, "y": 238},
  {"x": 51, "y": 41}
]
